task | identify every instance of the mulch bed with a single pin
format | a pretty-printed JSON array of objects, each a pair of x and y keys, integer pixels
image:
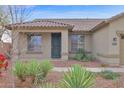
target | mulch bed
[
  {"x": 55, "y": 77},
  {"x": 7, "y": 81},
  {"x": 72, "y": 62},
  {"x": 86, "y": 64}
]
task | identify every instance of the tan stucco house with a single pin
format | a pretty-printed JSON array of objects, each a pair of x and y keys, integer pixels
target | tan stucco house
[{"x": 59, "y": 39}]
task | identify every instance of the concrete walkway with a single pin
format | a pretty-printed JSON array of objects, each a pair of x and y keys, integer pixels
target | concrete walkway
[{"x": 96, "y": 69}]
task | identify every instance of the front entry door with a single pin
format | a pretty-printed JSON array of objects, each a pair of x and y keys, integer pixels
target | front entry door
[
  {"x": 56, "y": 45},
  {"x": 122, "y": 50}
]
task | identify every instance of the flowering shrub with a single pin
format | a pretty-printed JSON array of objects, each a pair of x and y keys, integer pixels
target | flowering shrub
[{"x": 3, "y": 61}]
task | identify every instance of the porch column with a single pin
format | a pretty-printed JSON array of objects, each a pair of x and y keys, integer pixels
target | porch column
[
  {"x": 15, "y": 44},
  {"x": 64, "y": 45}
]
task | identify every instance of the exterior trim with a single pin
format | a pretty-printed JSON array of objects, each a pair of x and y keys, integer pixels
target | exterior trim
[
  {"x": 31, "y": 52},
  {"x": 65, "y": 54},
  {"x": 119, "y": 33}
]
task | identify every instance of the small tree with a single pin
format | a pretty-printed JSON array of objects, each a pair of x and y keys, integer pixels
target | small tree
[
  {"x": 3, "y": 21},
  {"x": 19, "y": 14}
]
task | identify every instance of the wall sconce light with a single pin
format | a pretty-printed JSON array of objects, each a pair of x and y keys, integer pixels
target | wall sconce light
[{"x": 114, "y": 41}]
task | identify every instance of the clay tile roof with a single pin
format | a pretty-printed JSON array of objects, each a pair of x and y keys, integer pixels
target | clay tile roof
[
  {"x": 41, "y": 23},
  {"x": 79, "y": 24},
  {"x": 74, "y": 24}
]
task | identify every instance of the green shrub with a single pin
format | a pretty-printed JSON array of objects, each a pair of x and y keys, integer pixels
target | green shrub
[
  {"x": 33, "y": 68},
  {"x": 90, "y": 57},
  {"x": 78, "y": 57},
  {"x": 46, "y": 66},
  {"x": 38, "y": 78},
  {"x": 78, "y": 77},
  {"x": 82, "y": 56},
  {"x": 107, "y": 74},
  {"x": 47, "y": 85},
  {"x": 36, "y": 70},
  {"x": 20, "y": 70},
  {"x": 87, "y": 58}
]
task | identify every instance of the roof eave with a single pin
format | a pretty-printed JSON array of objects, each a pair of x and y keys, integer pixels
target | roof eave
[
  {"x": 115, "y": 17},
  {"x": 100, "y": 25},
  {"x": 11, "y": 27}
]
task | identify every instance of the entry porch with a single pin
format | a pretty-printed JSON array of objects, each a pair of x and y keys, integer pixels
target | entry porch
[{"x": 40, "y": 45}]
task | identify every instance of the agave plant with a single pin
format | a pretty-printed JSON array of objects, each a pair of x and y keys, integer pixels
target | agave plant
[{"x": 78, "y": 77}]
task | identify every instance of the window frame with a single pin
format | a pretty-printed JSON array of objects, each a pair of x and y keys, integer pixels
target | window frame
[
  {"x": 79, "y": 42},
  {"x": 29, "y": 35}
]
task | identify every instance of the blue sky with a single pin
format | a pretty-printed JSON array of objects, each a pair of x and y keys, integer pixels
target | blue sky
[{"x": 84, "y": 11}]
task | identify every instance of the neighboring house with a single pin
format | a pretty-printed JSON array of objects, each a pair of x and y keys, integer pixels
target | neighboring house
[
  {"x": 61, "y": 38},
  {"x": 5, "y": 48},
  {"x": 5, "y": 44}
]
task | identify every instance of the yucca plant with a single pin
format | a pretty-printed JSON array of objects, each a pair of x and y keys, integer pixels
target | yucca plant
[
  {"x": 20, "y": 70},
  {"x": 78, "y": 77},
  {"x": 46, "y": 66}
]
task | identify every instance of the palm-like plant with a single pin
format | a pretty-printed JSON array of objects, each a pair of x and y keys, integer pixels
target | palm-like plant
[{"x": 78, "y": 77}]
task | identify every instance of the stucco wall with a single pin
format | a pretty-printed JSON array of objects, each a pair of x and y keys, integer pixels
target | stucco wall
[
  {"x": 88, "y": 43},
  {"x": 103, "y": 48},
  {"x": 116, "y": 25},
  {"x": 100, "y": 44}
]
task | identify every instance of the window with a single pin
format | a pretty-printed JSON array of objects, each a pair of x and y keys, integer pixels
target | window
[
  {"x": 34, "y": 42},
  {"x": 77, "y": 42},
  {"x": 74, "y": 41}
]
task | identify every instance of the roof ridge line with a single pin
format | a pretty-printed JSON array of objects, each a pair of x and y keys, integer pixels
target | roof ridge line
[{"x": 56, "y": 22}]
